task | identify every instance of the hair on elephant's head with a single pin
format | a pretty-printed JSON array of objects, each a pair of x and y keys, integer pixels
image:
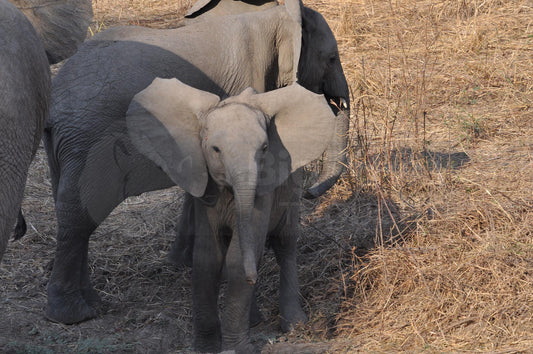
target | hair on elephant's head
[
  {"x": 60, "y": 24},
  {"x": 251, "y": 142}
]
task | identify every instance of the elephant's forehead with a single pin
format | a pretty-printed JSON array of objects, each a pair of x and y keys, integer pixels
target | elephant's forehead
[
  {"x": 236, "y": 122},
  {"x": 234, "y": 116}
]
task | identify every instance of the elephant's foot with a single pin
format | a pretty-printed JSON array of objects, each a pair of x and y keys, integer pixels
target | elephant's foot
[
  {"x": 72, "y": 307},
  {"x": 242, "y": 347},
  {"x": 291, "y": 317},
  {"x": 180, "y": 256},
  {"x": 246, "y": 349},
  {"x": 208, "y": 343},
  {"x": 256, "y": 317},
  {"x": 94, "y": 300}
]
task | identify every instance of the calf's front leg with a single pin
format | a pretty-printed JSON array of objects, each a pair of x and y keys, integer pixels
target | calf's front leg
[{"x": 206, "y": 271}]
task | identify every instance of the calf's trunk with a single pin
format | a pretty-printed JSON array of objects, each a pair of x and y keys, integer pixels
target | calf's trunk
[{"x": 244, "y": 204}]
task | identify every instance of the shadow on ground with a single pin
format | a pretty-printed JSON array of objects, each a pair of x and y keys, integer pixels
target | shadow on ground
[{"x": 148, "y": 301}]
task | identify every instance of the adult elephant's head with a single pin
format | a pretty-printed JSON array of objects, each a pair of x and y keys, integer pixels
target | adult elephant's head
[
  {"x": 60, "y": 24},
  {"x": 249, "y": 144},
  {"x": 318, "y": 69}
]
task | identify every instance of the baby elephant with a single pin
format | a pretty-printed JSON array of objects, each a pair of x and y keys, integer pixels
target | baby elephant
[{"x": 241, "y": 159}]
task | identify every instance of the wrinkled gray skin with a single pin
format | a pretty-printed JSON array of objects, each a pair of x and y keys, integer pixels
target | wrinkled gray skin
[
  {"x": 94, "y": 165},
  {"x": 24, "y": 97},
  {"x": 240, "y": 153}
]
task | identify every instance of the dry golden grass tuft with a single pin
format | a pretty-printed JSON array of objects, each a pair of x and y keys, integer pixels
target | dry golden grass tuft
[
  {"x": 150, "y": 13},
  {"x": 443, "y": 128}
]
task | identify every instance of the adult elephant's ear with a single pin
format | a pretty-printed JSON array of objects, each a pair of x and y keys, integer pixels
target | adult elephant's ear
[
  {"x": 290, "y": 43},
  {"x": 295, "y": 8},
  {"x": 61, "y": 24},
  {"x": 300, "y": 128},
  {"x": 162, "y": 122},
  {"x": 210, "y": 8}
]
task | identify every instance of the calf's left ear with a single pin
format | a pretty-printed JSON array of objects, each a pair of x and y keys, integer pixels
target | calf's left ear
[{"x": 301, "y": 126}]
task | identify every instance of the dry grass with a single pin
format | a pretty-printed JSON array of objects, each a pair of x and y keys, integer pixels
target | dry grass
[
  {"x": 443, "y": 123},
  {"x": 441, "y": 160},
  {"x": 151, "y": 13}
]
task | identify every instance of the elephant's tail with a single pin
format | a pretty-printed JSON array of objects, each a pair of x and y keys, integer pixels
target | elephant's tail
[
  {"x": 20, "y": 229},
  {"x": 53, "y": 164}
]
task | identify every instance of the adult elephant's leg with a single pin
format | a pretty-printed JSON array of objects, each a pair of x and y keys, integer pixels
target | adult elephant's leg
[
  {"x": 13, "y": 172},
  {"x": 181, "y": 252},
  {"x": 206, "y": 273}
]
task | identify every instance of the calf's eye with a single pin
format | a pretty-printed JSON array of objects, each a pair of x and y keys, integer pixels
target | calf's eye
[{"x": 216, "y": 149}]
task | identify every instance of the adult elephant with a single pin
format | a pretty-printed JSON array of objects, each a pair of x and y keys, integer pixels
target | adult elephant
[
  {"x": 48, "y": 33},
  {"x": 93, "y": 163}
]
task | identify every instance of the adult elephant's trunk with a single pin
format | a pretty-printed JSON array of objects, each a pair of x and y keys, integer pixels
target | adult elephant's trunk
[
  {"x": 335, "y": 155},
  {"x": 244, "y": 204}
]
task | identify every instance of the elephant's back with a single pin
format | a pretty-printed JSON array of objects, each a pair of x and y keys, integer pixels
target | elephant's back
[
  {"x": 123, "y": 33},
  {"x": 96, "y": 85}
]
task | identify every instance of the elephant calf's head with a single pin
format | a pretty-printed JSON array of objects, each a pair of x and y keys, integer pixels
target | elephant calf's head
[{"x": 251, "y": 142}]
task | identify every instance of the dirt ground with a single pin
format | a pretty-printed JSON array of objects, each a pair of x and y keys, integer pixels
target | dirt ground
[
  {"x": 148, "y": 301},
  {"x": 441, "y": 157}
]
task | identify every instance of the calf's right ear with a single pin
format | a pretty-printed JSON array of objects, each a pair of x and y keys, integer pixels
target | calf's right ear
[{"x": 163, "y": 125}]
